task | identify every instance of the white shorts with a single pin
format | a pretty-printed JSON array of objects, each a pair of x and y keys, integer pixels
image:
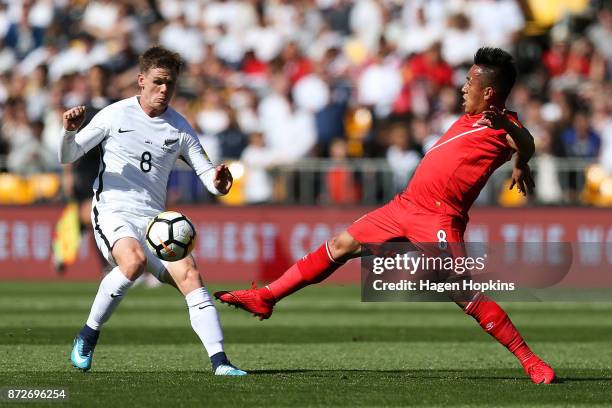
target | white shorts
[{"x": 109, "y": 227}]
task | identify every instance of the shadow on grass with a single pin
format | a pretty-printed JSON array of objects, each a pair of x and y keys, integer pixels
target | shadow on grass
[
  {"x": 297, "y": 335},
  {"x": 411, "y": 373},
  {"x": 479, "y": 374},
  {"x": 577, "y": 375}
]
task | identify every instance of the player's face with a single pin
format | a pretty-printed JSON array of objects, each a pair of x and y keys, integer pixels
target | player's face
[
  {"x": 476, "y": 97},
  {"x": 157, "y": 87}
]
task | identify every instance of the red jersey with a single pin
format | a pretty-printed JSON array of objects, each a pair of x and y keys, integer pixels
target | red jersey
[{"x": 456, "y": 168}]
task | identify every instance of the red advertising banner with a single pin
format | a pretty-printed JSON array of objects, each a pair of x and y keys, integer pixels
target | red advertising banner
[{"x": 259, "y": 243}]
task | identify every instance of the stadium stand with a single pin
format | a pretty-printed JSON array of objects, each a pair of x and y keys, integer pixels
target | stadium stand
[{"x": 279, "y": 85}]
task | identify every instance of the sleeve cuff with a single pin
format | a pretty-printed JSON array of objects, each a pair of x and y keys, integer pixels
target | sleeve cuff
[{"x": 69, "y": 132}]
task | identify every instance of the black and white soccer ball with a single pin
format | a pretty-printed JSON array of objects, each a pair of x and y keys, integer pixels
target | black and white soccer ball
[{"x": 170, "y": 236}]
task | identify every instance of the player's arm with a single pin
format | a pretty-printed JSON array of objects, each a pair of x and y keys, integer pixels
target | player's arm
[
  {"x": 75, "y": 145},
  {"x": 520, "y": 140},
  {"x": 217, "y": 179},
  {"x": 518, "y": 137}
]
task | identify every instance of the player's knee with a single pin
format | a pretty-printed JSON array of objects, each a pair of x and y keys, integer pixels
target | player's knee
[
  {"x": 192, "y": 276},
  {"x": 130, "y": 257},
  {"x": 343, "y": 246},
  {"x": 190, "y": 280},
  {"x": 133, "y": 264}
]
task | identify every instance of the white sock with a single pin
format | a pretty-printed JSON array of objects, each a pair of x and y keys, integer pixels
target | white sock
[
  {"x": 112, "y": 289},
  {"x": 205, "y": 320}
]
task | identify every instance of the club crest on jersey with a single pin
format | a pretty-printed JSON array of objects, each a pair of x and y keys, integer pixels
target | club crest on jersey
[{"x": 169, "y": 144}]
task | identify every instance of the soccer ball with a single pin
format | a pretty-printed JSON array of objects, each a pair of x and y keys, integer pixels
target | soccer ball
[{"x": 170, "y": 236}]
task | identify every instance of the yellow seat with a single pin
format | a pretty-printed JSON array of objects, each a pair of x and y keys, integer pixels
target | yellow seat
[
  {"x": 236, "y": 194},
  {"x": 597, "y": 187},
  {"x": 25, "y": 193},
  {"x": 46, "y": 186},
  {"x": 358, "y": 123},
  {"x": 547, "y": 12},
  {"x": 8, "y": 184},
  {"x": 510, "y": 198},
  {"x": 15, "y": 190}
]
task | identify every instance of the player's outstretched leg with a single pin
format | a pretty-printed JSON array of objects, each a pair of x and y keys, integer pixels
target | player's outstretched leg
[
  {"x": 496, "y": 322},
  {"x": 112, "y": 289},
  {"x": 312, "y": 268}
]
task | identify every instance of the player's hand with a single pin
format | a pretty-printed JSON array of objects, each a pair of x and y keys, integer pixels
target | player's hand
[
  {"x": 73, "y": 118},
  {"x": 494, "y": 118},
  {"x": 522, "y": 178},
  {"x": 223, "y": 179}
]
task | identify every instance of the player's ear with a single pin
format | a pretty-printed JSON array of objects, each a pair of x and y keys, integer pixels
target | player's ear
[
  {"x": 141, "y": 79},
  {"x": 489, "y": 93}
]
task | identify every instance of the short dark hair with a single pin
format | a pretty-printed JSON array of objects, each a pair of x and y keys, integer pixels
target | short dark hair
[
  {"x": 160, "y": 57},
  {"x": 498, "y": 66}
]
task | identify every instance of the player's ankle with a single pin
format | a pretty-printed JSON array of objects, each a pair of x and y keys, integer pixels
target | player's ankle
[
  {"x": 90, "y": 336},
  {"x": 529, "y": 360},
  {"x": 218, "y": 359},
  {"x": 267, "y": 295},
  {"x": 524, "y": 354}
]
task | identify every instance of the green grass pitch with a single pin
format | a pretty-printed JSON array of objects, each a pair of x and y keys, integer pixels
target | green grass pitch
[{"x": 322, "y": 347}]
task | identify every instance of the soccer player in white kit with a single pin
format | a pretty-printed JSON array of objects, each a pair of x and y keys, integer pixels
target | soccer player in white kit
[{"x": 139, "y": 140}]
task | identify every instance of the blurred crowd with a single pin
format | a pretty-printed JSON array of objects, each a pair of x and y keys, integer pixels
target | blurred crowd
[{"x": 271, "y": 82}]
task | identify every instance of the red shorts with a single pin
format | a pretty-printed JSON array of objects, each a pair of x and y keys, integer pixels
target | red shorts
[{"x": 401, "y": 219}]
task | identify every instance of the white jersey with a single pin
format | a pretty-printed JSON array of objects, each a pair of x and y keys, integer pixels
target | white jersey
[{"x": 138, "y": 153}]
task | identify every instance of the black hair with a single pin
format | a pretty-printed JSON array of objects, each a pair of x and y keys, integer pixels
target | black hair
[{"x": 498, "y": 67}]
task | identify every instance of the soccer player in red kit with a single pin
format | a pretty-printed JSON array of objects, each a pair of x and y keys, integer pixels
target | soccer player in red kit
[{"x": 434, "y": 206}]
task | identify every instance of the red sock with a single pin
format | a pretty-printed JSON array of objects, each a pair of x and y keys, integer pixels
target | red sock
[
  {"x": 313, "y": 268},
  {"x": 496, "y": 322}
]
